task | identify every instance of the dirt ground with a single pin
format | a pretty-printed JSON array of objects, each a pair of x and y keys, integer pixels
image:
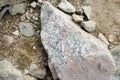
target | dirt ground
[{"x": 25, "y": 50}]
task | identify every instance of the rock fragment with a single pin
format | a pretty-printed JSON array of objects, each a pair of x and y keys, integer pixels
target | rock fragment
[
  {"x": 72, "y": 53},
  {"x": 89, "y": 26},
  {"x": 77, "y": 18},
  {"x": 18, "y": 8},
  {"x": 33, "y": 4},
  {"x": 37, "y": 71},
  {"x": 103, "y": 38},
  {"x": 87, "y": 11},
  {"x": 112, "y": 38},
  {"x": 66, "y": 6},
  {"x": 26, "y": 29},
  {"x": 16, "y": 33},
  {"x": 8, "y": 72}
]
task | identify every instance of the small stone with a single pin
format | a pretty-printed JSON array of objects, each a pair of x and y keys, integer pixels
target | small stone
[
  {"x": 31, "y": 10},
  {"x": 79, "y": 11},
  {"x": 66, "y": 6},
  {"x": 37, "y": 71},
  {"x": 8, "y": 40},
  {"x": 87, "y": 11},
  {"x": 35, "y": 18},
  {"x": 9, "y": 72},
  {"x": 103, "y": 38},
  {"x": 18, "y": 8},
  {"x": 89, "y": 26},
  {"x": 77, "y": 18},
  {"x": 40, "y": 1},
  {"x": 112, "y": 38},
  {"x": 26, "y": 29},
  {"x": 33, "y": 4},
  {"x": 22, "y": 18},
  {"x": 16, "y": 33}
]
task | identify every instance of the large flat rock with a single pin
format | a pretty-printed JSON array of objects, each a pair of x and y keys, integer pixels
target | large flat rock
[{"x": 72, "y": 53}]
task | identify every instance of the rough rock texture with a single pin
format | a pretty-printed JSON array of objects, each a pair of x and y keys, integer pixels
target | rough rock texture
[
  {"x": 73, "y": 54},
  {"x": 10, "y": 2}
]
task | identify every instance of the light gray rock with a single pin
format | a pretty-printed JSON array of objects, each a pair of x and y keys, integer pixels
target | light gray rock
[
  {"x": 116, "y": 54},
  {"x": 66, "y": 6},
  {"x": 10, "y": 2},
  {"x": 87, "y": 11},
  {"x": 26, "y": 29},
  {"x": 8, "y": 72},
  {"x": 16, "y": 33},
  {"x": 37, "y": 71},
  {"x": 33, "y": 4},
  {"x": 18, "y": 8},
  {"x": 77, "y": 18},
  {"x": 72, "y": 53},
  {"x": 89, "y": 26}
]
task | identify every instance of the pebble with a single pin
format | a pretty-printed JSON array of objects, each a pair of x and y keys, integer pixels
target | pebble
[
  {"x": 66, "y": 6},
  {"x": 79, "y": 11},
  {"x": 77, "y": 18},
  {"x": 18, "y": 8},
  {"x": 87, "y": 11},
  {"x": 37, "y": 71},
  {"x": 33, "y": 4},
  {"x": 103, "y": 38},
  {"x": 35, "y": 18},
  {"x": 16, "y": 33},
  {"x": 89, "y": 26},
  {"x": 31, "y": 10},
  {"x": 112, "y": 38},
  {"x": 40, "y": 1},
  {"x": 26, "y": 29}
]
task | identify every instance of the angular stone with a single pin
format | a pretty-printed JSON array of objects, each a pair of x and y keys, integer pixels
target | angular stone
[
  {"x": 72, "y": 53},
  {"x": 66, "y": 6},
  {"x": 77, "y": 18},
  {"x": 87, "y": 11},
  {"x": 89, "y": 26},
  {"x": 10, "y": 2},
  {"x": 37, "y": 71},
  {"x": 18, "y": 8},
  {"x": 103, "y": 38}
]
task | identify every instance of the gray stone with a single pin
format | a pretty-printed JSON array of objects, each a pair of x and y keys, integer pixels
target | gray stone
[
  {"x": 77, "y": 18},
  {"x": 10, "y": 2},
  {"x": 26, "y": 29},
  {"x": 116, "y": 54},
  {"x": 8, "y": 72},
  {"x": 37, "y": 71},
  {"x": 89, "y": 26},
  {"x": 66, "y": 6},
  {"x": 18, "y": 8},
  {"x": 33, "y": 4},
  {"x": 87, "y": 11},
  {"x": 72, "y": 53}
]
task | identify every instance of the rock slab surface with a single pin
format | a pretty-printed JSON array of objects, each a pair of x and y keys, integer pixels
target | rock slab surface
[{"x": 72, "y": 53}]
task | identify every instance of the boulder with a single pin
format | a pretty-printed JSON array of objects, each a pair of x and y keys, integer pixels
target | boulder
[{"x": 72, "y": 53}]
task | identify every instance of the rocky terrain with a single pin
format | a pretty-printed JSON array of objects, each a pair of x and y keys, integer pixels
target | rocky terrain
[{"x": 59, "y": 40}]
